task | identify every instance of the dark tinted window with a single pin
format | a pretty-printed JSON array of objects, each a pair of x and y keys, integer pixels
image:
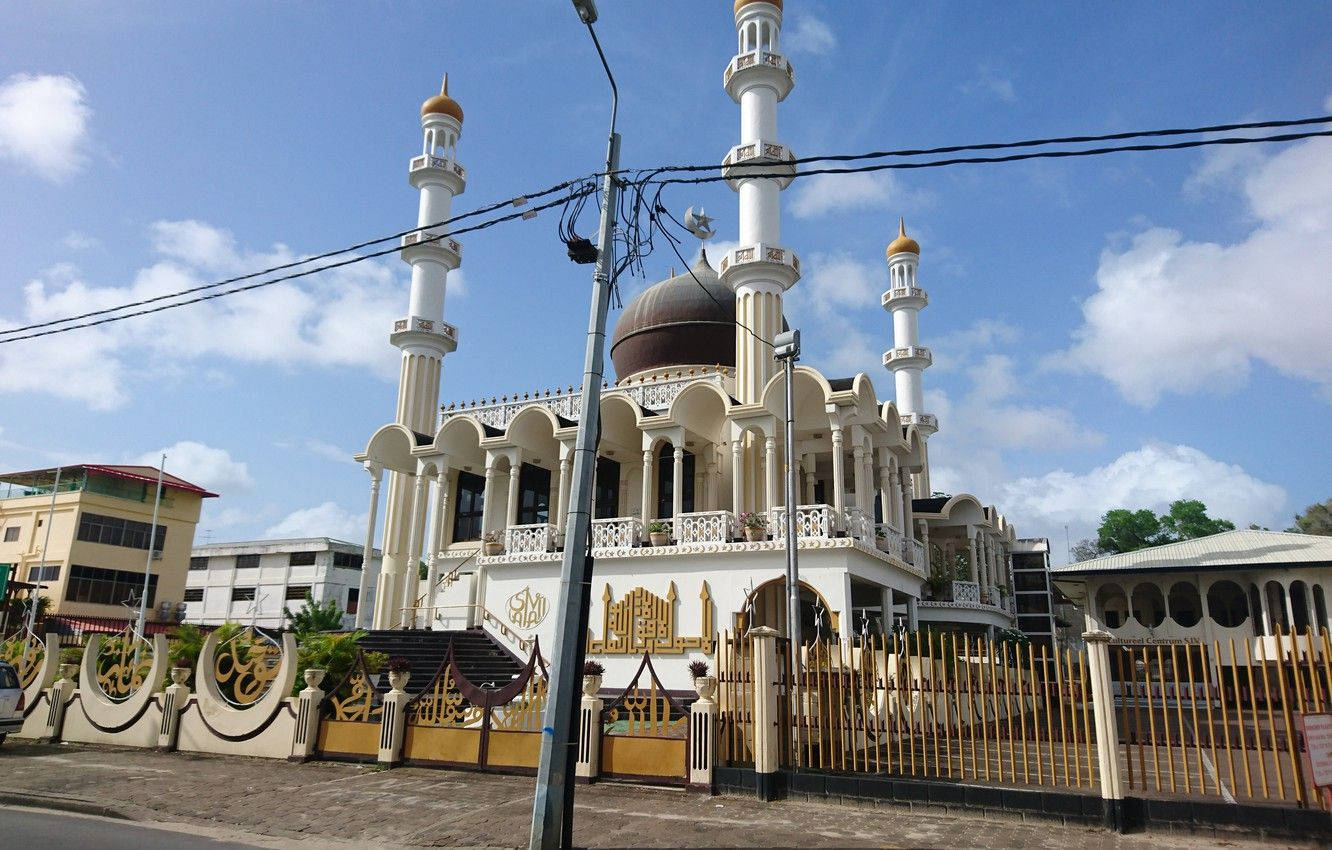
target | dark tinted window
[
  {"x": 107, "y": 587},
  {"x": 302, "y": 559},
  {"x": 470, "y": 501},
  {"x": 244, "y": 562}
]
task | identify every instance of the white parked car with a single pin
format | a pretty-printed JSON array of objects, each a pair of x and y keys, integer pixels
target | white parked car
[{"x": 11, "y": 700}]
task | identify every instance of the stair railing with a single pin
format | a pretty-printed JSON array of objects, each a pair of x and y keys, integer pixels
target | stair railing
[
  {"x": 432, "y": 612},
  {"x": 444, "y": 582}
]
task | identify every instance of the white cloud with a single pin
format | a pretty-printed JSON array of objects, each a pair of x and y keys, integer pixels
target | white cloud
[
  {"x": 77, "y": 241},
  {"x": 808, "y": 35},
  {"x": 290, "y": 324},
  {"x": 209, "y": 467},
  {"x": 1149, "y": 477},
  {"x": 820, "y": 194},
  {"x": 1179, "y": 316},
  {"x": 324, "y": 520},
  {"x": 328, "y": 450},
  {"x": 44, "y": 124},
  {"x": 989, "y": 82}
]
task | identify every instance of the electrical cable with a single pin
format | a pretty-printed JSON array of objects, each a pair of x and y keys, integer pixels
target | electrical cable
[
  {"x": 305, "y": 273},
  {"x": 520, "y": 200}
]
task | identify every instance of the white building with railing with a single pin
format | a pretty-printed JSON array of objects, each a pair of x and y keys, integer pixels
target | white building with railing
[{"x": 688, "y": 529}]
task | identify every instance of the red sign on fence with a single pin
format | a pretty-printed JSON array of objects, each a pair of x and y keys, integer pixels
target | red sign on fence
[{"x": 1318, "y": 742}]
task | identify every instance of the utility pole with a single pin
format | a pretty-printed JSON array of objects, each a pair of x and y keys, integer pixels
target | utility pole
[
  {"x": 786, "y": 348},
  {"x": 32, "y": 592},
  {"x": 552, "y": 806},
  {"x": 148, "y": 564}
]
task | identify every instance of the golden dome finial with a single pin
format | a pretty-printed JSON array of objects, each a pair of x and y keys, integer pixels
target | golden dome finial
[
  {"x": 903, "y": 244},
  {"x": 442, "y": 103}
]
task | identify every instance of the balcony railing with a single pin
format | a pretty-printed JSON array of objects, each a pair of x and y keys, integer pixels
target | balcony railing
[
  {"x": 705, "y": 527},
  {"x": 810, "y": 521},
  {"x": 859, "y": 525},
  {"x": 529, "y": 538},
  {"x": 918, "y": 555},
  {"x": 966, "y": 591},
  {"x": 890, "y": 540},
  {"x": 617, "y": 533}
]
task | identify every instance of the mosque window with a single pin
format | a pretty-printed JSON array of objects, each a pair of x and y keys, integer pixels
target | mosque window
[
  {"x": 666, "y": 482},
  {"x": 470, "y": 500},
  {"x": 608, "y": 488},
  {"x": 533, "y": 495}
]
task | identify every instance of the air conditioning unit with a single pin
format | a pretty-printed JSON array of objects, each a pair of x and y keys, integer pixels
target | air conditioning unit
[{"x": 157, "y": 554}]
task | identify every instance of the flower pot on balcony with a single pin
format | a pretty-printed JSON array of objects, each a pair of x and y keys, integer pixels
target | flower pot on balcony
[
  {"x": 493, "y": 548},
  {"x": 591, "y": 684},
  {"x": 660, "y": 538},
  {"x": 754, "y": 535},
  {"x": 706, "y": 687}
]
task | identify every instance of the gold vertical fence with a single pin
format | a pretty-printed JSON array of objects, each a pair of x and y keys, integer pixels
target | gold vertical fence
[
  {"x": 925, "y": 705},
  {"x": 1222, "y": 718}
]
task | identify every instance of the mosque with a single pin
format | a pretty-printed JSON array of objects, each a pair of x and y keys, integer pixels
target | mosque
[{"x": 688, "y": 534}]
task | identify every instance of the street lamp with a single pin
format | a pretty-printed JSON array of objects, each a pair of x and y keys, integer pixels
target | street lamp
[
  {"x": 786, "y": 348},
  {"x": 552, "y": 806}
]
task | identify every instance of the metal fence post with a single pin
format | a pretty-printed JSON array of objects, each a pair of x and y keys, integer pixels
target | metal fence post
[
  {"x": 766, "y": 727},
  {"x": 1107, "y": 728}
]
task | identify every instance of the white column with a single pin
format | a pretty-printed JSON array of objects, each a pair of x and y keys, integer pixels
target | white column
[
  {"x": 677, "y": 482},
  {"x": 886, "y": 498},
  {"x": 811, "y": 480},
  {"x": 971, "y": 554},
  {"x": 839, "y": 471},
  {"x": 562, "y": 495},
  {"x": 511, "y": 512},
  {"x": 908, "y": 514},
  {"x": 709, "y": 480},
  {"x": 649, "y": 491},
  {"x": 488, "y": 508},
  {"x": 858, "y": 474},
  {"x": 411, "y": 577},
  {"x": 1290, "y": 610},
  {"x": 737, "y": 476},
  {"x": 770, "y": 471},
  {"x": 365, "y": 614},
  {"x": 437, "y": 536}
]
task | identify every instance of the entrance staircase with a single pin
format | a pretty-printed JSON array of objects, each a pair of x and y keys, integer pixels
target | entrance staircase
[{"x": 480, "y": 658}]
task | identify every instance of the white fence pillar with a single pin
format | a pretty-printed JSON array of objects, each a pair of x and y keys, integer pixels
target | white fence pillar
[
  {"x": 174, "y": 698},
  {"x": 393, "y": 721},
  {"x": 588, "y": 765},
  {"x": 766, "y": 751},
  {"x": 703, "y": 735},
  {"x": 311, "y": 698},
  {"x": 57, "y": 698},
  {"x": 1107, "y": 728}
]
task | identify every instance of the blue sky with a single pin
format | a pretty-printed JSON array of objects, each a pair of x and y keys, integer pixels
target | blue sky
[{"x": 1115, "y": 331}]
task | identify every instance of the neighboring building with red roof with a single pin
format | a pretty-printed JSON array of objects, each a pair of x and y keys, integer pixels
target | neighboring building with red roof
[{"x": 95, "y": 555}]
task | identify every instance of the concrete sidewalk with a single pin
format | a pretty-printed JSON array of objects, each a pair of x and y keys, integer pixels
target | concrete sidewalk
[{"x": 331, "y": 804}]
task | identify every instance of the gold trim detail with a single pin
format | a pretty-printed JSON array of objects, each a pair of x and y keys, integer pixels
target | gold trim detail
[{"x": 644, "y": 622}]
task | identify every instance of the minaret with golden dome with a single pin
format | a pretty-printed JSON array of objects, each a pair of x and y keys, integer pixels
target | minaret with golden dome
[
  {"x": 907, "y": 359},
  {"x": 423, "y": 337},
  {"x": 760, "y": 269}
]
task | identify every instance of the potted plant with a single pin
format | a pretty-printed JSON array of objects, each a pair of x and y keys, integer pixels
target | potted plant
[
  {"x": 755, "y": 526},
  {"x": 703, "y": 683},
  {"x": 659, "y": 533},
  {"x": 592, "y": 672},
  {"x": 493, "y": 543},
  {"x": 399, "y": 671},
  {"x": 70, "y": 658}
]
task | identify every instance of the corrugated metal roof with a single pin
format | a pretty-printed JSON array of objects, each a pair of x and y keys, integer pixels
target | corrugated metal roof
[{"x": 1227, "y": 549}]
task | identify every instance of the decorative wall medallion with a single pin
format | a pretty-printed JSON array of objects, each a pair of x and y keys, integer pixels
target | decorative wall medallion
[
  {"x": 528, "y": 609},
  {"x": 644, "y": 622}
]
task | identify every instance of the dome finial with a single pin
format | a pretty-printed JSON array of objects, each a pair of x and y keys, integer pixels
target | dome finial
[
  {"x": 903, "y": 244},
  {"x": 442, "y": 103}
]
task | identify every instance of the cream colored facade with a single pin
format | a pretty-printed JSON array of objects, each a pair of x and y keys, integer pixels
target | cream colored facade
[{"x": 116, "y": 492}]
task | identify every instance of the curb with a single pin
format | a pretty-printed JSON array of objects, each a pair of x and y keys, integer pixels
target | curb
[{"x": 74, "y": 805}]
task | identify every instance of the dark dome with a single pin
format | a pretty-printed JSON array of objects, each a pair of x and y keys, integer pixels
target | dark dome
[{"x": 677, "y": 323}]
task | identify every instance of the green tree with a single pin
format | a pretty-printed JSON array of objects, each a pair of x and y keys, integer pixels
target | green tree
[
  {"x": 313, "y": 617},
  {"x": 1085, "y": 550},
  {"x": 1316, "y": 519},
  {"x": 1123, "y": 530},
  {"x": 1187, "y": 519}
]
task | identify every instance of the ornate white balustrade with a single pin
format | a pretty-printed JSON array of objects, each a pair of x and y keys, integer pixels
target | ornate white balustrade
[
  {"x": 617, "y": 533},
  {"x": 529, "y": 538},
  {"x": 859, "y": 525},
  {"x": 918, "y": 555},
  {"x": 966, "y": 591},
  {"x": 705, "y": 527},
  {"x": 891, "y": 540},
  {"x": 810, "y": 521}
]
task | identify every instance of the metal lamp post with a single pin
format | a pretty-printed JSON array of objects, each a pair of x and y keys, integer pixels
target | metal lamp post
[
  {"x": 786, "y": 348},
  {"x": 552, "y": 806}
]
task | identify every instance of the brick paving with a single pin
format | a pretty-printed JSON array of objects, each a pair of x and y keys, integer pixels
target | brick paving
[{"x": 329, "y": 803}]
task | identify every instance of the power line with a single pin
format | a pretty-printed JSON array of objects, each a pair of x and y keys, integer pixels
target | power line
[
  {"x": 520, "y": 200},
  {"x": 525, "y": 213},
  {"x": 1060, "y": 140}
]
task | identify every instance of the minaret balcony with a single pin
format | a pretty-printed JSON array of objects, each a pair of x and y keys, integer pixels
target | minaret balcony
[
  {"x": 759, "y": 159},
  {"x": 758, "y": 68},
  {"x": 927, "y": 422},
  {"x": 908, "y": 357},
  {"x": 429, "y": 168},
  {"x": 436, "y": 334},
  {"x": 759, "y": 262},
  {"x": 905, "y": 297},
  {"x": 431, "y": 245}
]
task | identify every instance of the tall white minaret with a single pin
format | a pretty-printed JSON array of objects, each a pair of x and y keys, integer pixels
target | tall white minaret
[
  {"x": 908, "y": 358},
  {"x": 760, "y": 270},
  {"x": 422, "y": 336}
]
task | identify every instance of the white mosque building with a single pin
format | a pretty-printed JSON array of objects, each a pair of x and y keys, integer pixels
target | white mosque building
[{"x": 691, "y": 439}]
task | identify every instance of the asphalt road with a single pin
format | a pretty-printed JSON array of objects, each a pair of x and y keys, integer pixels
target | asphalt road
[{"x": 40, "y": 828}]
